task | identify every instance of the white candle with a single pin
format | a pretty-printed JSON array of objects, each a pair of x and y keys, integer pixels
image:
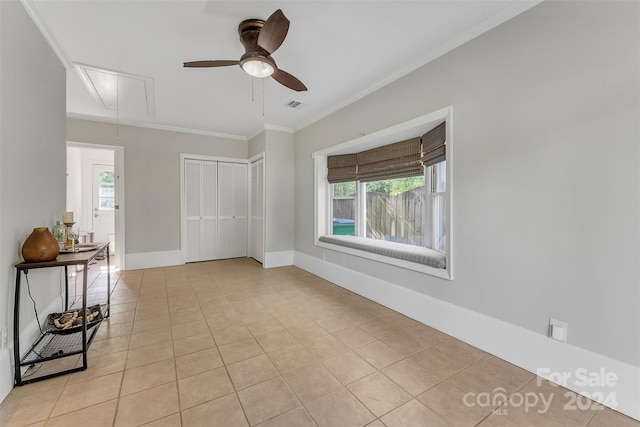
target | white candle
[{"x": 67, "y": 217}]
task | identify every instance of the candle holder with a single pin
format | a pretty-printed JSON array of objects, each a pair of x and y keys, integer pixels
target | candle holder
[{"x": 71, "y": 236}]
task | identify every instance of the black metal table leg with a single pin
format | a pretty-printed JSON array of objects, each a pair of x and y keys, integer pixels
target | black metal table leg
[
  {"x": 85, "y": 346},
  {"x": 108, "y": 284},
  {"x": 66, "y": 288},
  {"x": 16, "y": 331}
]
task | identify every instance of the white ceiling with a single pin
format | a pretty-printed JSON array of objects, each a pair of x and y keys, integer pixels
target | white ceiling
[{"x": 341, "y": 50}]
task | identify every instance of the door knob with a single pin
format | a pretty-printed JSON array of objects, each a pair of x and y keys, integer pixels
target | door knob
[{"x": 96, "y": 215}]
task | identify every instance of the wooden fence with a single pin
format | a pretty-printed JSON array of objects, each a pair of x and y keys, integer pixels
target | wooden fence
[{"x": 393, "y": 218}]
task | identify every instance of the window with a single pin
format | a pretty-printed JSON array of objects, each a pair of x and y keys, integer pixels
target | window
[
  {"x": 106, "y": 191},
  {"x": 437, "y": 205},
  {"x": 395, "y": 210},
  {"x": 343, "y": 207},
  {"x": 385, "y": 196},
  {"x": 410, "y": 210}
]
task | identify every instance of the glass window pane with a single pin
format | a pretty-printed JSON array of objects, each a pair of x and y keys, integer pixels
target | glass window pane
[
  {"x": 341, "y": 225},
  {"x": 106, "y": 191},
  {"x": 344, "y": 189},
  {"x": 106, "y": 203},
  {"x": 440, "y": 222},
  {"x": 107, "y": 177},
  {"x": 440, "y": 177},
  {"x": 343, "y": 207},
  {"x": 395, "y": 210}
]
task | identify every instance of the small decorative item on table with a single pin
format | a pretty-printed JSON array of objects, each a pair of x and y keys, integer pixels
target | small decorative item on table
[
  {"x": 67, "y": 219},
  {"x": 40, "y": 246},
  {"x": 71, "y": 236},
  {"x": 60, "y": 233}
]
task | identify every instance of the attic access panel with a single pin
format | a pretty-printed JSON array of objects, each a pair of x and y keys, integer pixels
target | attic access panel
[{"x": 117, "y": 91}]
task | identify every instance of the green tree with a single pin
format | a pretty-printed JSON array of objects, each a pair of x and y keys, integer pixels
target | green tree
[
  {"x": 107, "y": 177},
  {"x": 344, "y": 189},
  {"x": 395, "y": 186}
]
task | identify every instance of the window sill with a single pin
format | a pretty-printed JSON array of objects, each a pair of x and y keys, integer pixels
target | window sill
[{"x": 414, "y": 258}]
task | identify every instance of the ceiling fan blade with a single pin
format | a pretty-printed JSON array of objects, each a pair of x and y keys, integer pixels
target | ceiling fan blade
[
  {"x": 219, "y": 63},
  {"x": 273, "y": 31},
  {"x": 288, "y": 80}
]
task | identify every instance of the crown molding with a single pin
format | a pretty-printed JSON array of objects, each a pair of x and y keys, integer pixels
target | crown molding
[
  {"x": 134, "y": 123},
  {"x": 279, "y": 128}
]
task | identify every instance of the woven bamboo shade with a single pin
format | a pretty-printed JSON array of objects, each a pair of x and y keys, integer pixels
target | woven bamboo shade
[
  {"x": 397, "y": 160},
  {"x": 434, "y": 149},
  {"x": 341, "y": 168}
]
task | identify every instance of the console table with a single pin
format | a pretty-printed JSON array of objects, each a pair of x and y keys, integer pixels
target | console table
[{"x": 56, "y": 344}]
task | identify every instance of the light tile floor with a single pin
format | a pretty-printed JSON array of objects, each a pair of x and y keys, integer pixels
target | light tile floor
[{"x": 227, "y": 343}]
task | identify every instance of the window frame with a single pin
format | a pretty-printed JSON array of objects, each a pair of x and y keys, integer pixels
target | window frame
[
  {"x": 322, "y": 188},
  {"x": 430, "y": 214},
  {"x": 355, "y": 199}
]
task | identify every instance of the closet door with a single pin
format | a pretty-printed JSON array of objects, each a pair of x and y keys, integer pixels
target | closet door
[
  {"x": 201, "y": 209},
  {"x": 209, "y": 210},
  {"x": 232, "y": 213},
  {"x": 193, "y": 205},
  {"x": 240, "y": 211},
  {"x": 225, "y": 210},
  {"x": 256, "y": 215}
]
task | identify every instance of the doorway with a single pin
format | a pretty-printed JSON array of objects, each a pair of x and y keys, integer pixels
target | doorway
[{"x": 95, "y": 193}]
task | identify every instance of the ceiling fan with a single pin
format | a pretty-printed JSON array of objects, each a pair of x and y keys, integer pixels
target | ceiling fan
[{"x": 260, "y": 39}]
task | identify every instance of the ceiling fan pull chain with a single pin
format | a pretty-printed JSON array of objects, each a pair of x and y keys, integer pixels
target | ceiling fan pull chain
[{"x": 262, "y": 97}]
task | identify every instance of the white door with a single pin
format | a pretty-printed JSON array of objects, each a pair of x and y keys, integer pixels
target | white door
[
  {"x": 201, "y": 206},
  {"x": 240, "y": 201},
  {"x": 232, "y": 220},
  {"x": 209, "y": 236},
  {"x": 256, "y": 239},
  {"x": 103, "y": 205},
  {"x": 193, "y": 208}
]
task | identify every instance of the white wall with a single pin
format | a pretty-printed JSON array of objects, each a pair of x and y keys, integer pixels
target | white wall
[
  {"x": 74, "y": 182},
  {"x": 32, "y": 160},
  {"x": 279, "y": 185},
  {"x": 152, "y": 180},
  {"x": 279, "y": 191},
  {"x": 546, "y": 181},
  {"x": 258, "y": 144}
]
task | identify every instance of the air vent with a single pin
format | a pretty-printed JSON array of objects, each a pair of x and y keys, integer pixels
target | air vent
[{"x": 294, "y": 104}]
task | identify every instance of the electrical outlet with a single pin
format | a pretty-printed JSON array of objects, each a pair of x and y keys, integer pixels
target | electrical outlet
[
  {"x": 4, "y": 337},
  {"x": 558, "y": 330}
]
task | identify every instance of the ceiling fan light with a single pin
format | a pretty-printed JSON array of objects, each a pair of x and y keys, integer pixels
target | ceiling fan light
[{"x": 258, "y": 68}]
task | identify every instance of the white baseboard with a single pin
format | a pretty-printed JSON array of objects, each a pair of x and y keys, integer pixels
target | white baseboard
[
  {"x": 167, "y": 258},
  {"x": 6, "y": 367},
  {"x": 278, "y": 259},
  {"x": 152, "y": 259},
  {"x": 522, "y": 347}
]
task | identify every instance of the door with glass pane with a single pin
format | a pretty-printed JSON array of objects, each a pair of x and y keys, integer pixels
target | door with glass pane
[{"x": 103, "y": 205}]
